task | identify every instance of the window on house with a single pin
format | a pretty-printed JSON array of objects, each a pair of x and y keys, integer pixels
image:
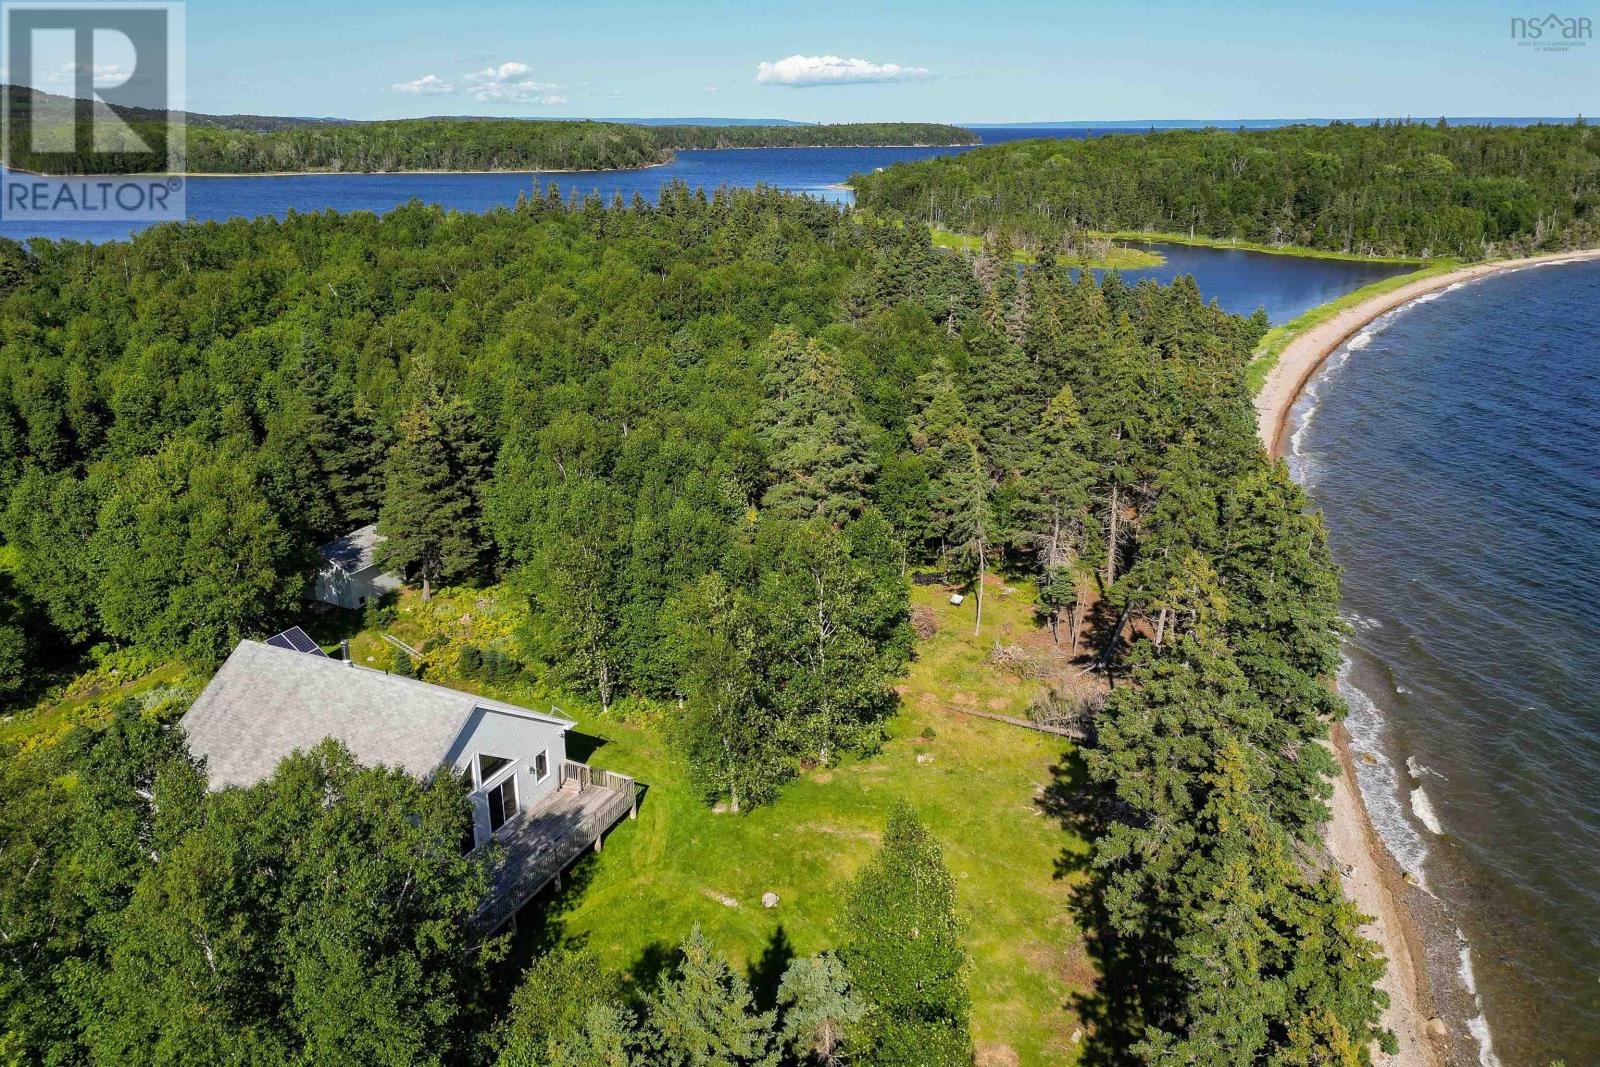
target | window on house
[
  {"x": 502, "y": 802},
  {"x": 541, "y": 765},
  {"x": 489, "y": 766}
]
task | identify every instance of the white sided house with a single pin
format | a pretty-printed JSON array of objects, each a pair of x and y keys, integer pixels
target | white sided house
[
  {"x": 268, "y": 701},
  {"x": 349, "y": 576}
]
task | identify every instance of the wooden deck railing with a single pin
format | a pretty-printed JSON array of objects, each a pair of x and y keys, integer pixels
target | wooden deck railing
[
  {"x": 546, "y": 839},
  {"x": 585, "y": 777}
]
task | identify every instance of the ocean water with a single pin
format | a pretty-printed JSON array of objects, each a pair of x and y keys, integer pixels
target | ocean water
[{"x": 1454, "y": 447}]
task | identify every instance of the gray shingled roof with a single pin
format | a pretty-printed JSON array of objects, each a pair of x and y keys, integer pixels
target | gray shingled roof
[
  {"x": 266, "y": 702},
  {"x": 353, "y": 552}
]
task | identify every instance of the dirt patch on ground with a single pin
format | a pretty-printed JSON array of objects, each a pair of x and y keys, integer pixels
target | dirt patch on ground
[
  {"x": 964, "y": 698},
  {"x": 999, "y": 704},
  {"x": 721, "y": 898},
  {"x": 994, "y": 1054},
  {"x": 840, "y": 831}
]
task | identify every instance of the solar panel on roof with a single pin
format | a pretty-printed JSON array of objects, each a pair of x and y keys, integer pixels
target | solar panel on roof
[{"x": 296, "y": 640}]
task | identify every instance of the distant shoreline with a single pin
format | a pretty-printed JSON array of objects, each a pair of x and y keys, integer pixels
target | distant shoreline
[
  {"x": 492, "y": 170},
  {"x": 329, "y": 173},
  {"x": 1297, "y": 251},
  {"x": 1371, "y": 877}
]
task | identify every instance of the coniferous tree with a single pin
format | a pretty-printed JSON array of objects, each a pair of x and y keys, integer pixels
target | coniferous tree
[
  {"x": 346, "y": 446},
  {"x": 704, "y": 1016},
  {"x": 1055, "y": 487},
  {"x": 818, "y": 1009},
  {"x": 431, "y": 515},
  {"x": 815, "y": 441},
  {"x": 1182, "y": 521},
  {"x": 606, "y": 1036},
  {"x": 1284, "y": 624},
  {"x": 1004, "y": 400},
  {"x": 958, "y": 488}
]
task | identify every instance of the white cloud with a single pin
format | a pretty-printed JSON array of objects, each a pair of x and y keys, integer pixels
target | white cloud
[
  {"x": 511, "y": 82},
  {"x": 711, "y": 88},
  {"x": 427, "y": 85},
  {"x": 105, "y": 75},
  {"x": 803, "y": 71}
]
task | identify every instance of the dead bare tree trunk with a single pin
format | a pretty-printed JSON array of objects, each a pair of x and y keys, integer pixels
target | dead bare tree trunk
[
  {"x": 1111, "y": 537},
  {"x": 977, "y": 629}
]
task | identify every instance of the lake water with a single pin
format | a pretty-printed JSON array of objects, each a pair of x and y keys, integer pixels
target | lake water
[
  {"x": 1455, "y": 449},
  {"x": 1241, "y": 281}
]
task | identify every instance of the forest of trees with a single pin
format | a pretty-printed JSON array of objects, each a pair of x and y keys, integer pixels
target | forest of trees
[
  {"x": 705, "y": 439},
  {"x": 824, "y": 135},
  {"x": 1402, "y": 189},
  {"x": 250, "y": 145}
]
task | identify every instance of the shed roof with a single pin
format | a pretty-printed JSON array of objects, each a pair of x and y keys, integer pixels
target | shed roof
[
  {"x": 354, "y": 551},
  {"x": 266, "y": 702}
]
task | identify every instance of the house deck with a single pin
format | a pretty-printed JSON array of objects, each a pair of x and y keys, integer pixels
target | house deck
[{"x": 543, "y": 841}]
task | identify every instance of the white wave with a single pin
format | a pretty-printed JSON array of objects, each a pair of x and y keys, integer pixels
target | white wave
[
  {"x": 1478, "y": 1025},
  {"x": 1301, "y": 466},
  {"x": 1359, "y": 341},
  {"x": 1422, "y": 808},
  {"x": 1379, "y": 781},
  {"x": 1360, "y": 621}
]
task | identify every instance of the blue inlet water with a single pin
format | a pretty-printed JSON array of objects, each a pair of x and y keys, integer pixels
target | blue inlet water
[
  {"x": 1240, "y": 281},
  {"x": 1454, "y": 447},
  {"x": 816, "y": 172}
]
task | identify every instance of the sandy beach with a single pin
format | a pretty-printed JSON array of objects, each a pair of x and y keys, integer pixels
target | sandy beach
[
  {"x": 1302, "y": 357},
  {"x": 1372, "y": 879}
]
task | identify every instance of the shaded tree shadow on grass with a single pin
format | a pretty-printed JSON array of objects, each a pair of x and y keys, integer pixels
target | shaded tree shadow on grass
[
  {"x": 655, "y": 961},
  {"x": 1112, "y": 1012},
  {"x": 582, "y": 746},
  {"x": 327, "y": 624},
  {"x": 766, "y": 972}
]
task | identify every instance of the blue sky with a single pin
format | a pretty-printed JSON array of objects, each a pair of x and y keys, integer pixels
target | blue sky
[{"x": 962, "y": 62}]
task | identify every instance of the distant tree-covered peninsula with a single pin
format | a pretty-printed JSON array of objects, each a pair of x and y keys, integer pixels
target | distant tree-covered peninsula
[
  {"x": 1407, "y": 189},
  {"x": 246, "y": 144}
]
